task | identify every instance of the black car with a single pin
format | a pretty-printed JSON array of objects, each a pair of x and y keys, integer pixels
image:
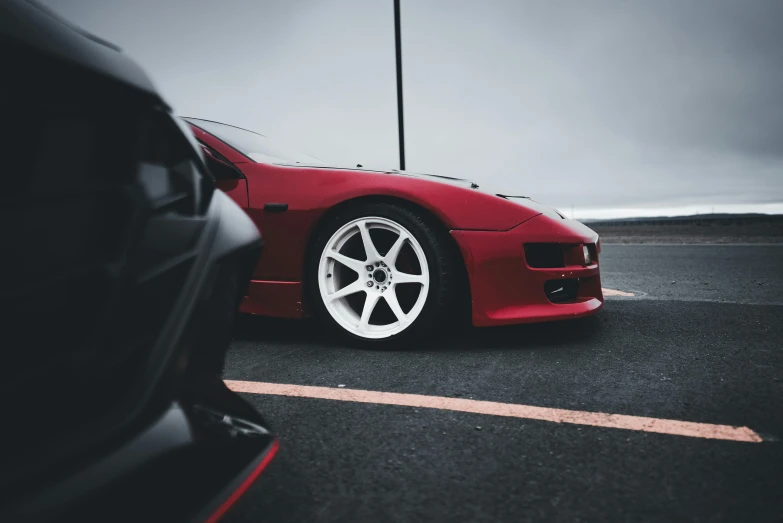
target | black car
[{"x": 122, "y": 269}]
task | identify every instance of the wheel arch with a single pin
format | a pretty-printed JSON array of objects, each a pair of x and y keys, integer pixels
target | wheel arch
[{"x": 431, "y": 217}]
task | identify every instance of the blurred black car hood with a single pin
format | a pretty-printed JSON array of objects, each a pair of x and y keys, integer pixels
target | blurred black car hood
[{"x": 30, "y": 24}]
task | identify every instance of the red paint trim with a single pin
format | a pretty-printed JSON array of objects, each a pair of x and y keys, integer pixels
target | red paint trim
[{"x": 228, "y": 503}]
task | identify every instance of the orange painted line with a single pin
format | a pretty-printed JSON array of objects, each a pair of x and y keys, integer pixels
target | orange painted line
[
  {"x": 612, "y": 292},
  {"x": 577, "y": 417}
]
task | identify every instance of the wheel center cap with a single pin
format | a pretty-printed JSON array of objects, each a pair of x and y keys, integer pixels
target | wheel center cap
[{"x": 379, "y": 275}]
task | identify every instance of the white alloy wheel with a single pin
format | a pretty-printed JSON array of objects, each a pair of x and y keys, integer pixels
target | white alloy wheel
[{"x": 343, "y": 280}]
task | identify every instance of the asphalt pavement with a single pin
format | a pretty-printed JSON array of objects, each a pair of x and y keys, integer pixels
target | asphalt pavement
[{"x": 700, "y": 341}]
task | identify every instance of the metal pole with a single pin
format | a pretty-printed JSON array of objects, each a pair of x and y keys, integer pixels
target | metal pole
[{"x": 398, "y": 46}]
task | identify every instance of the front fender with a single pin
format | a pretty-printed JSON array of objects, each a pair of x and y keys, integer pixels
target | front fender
[{"x": 457, "y": 207}]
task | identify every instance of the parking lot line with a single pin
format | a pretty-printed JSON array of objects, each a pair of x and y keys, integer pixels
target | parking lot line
[
  {"x": 577, "y": 417},
  {"x": 613, "y": 292}
]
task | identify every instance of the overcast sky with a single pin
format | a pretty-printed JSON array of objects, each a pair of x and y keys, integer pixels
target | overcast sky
[{"x": 617, "y": 108}]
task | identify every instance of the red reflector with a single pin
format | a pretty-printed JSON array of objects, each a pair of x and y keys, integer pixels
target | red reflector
[{"x": 228, "y": 503}]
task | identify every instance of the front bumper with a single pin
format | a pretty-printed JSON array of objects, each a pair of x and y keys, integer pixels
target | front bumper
[
  {"x": 176, "y": 445},
  {"x": 506, "y": 290}
]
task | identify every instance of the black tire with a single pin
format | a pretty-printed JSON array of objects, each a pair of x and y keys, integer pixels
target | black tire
[{"x": 442, "y": 260}]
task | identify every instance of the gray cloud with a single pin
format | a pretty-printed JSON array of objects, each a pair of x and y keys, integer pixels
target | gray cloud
[{"x": 595, "y": 104}]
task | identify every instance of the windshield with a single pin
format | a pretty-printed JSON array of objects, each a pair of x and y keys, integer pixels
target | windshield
[{"x": 253, "y": 145}]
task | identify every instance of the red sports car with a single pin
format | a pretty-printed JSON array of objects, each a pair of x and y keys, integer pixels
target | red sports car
[{"x": 383, "y": 255}]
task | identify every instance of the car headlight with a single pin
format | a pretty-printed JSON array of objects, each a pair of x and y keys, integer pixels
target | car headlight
[{"x": 586, "y": 253}]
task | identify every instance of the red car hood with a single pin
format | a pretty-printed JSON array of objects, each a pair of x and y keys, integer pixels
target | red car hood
[{"x": 525, "y": 201}]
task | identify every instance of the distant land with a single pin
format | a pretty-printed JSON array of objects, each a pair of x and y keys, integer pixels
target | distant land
[
  {"x": 688, "y": 218},
  {"x": 693, "y": 229}
]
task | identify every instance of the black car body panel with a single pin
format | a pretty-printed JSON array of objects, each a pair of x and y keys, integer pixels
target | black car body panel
[
  {"x": 31, "y": 25},
  {"x": 121, "y": 272}
]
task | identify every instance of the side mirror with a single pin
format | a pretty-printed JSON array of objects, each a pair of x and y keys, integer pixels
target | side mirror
[{"x": 220, "y": 168}]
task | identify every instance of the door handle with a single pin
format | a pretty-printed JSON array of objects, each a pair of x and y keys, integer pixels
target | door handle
[{"x": 275, "y": 207}]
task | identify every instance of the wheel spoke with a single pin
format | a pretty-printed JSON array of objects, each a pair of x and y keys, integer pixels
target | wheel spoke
[
  {"x": 369, "y": 247},
  {"x": 351, "y": 303},
  {"x": 352, "y": 263},
  {"x": 404, "y": 277},
  {"x": 353, "y": 288},
  {"x": 391, "y": 256},
  {"x": 369, "y": 306},
  {"x": 394, "y": 305}
]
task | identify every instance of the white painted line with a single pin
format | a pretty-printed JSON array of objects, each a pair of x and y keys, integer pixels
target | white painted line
[
  {"x": 612, "y": 292},
  {"x": 595, "y": 419}
]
